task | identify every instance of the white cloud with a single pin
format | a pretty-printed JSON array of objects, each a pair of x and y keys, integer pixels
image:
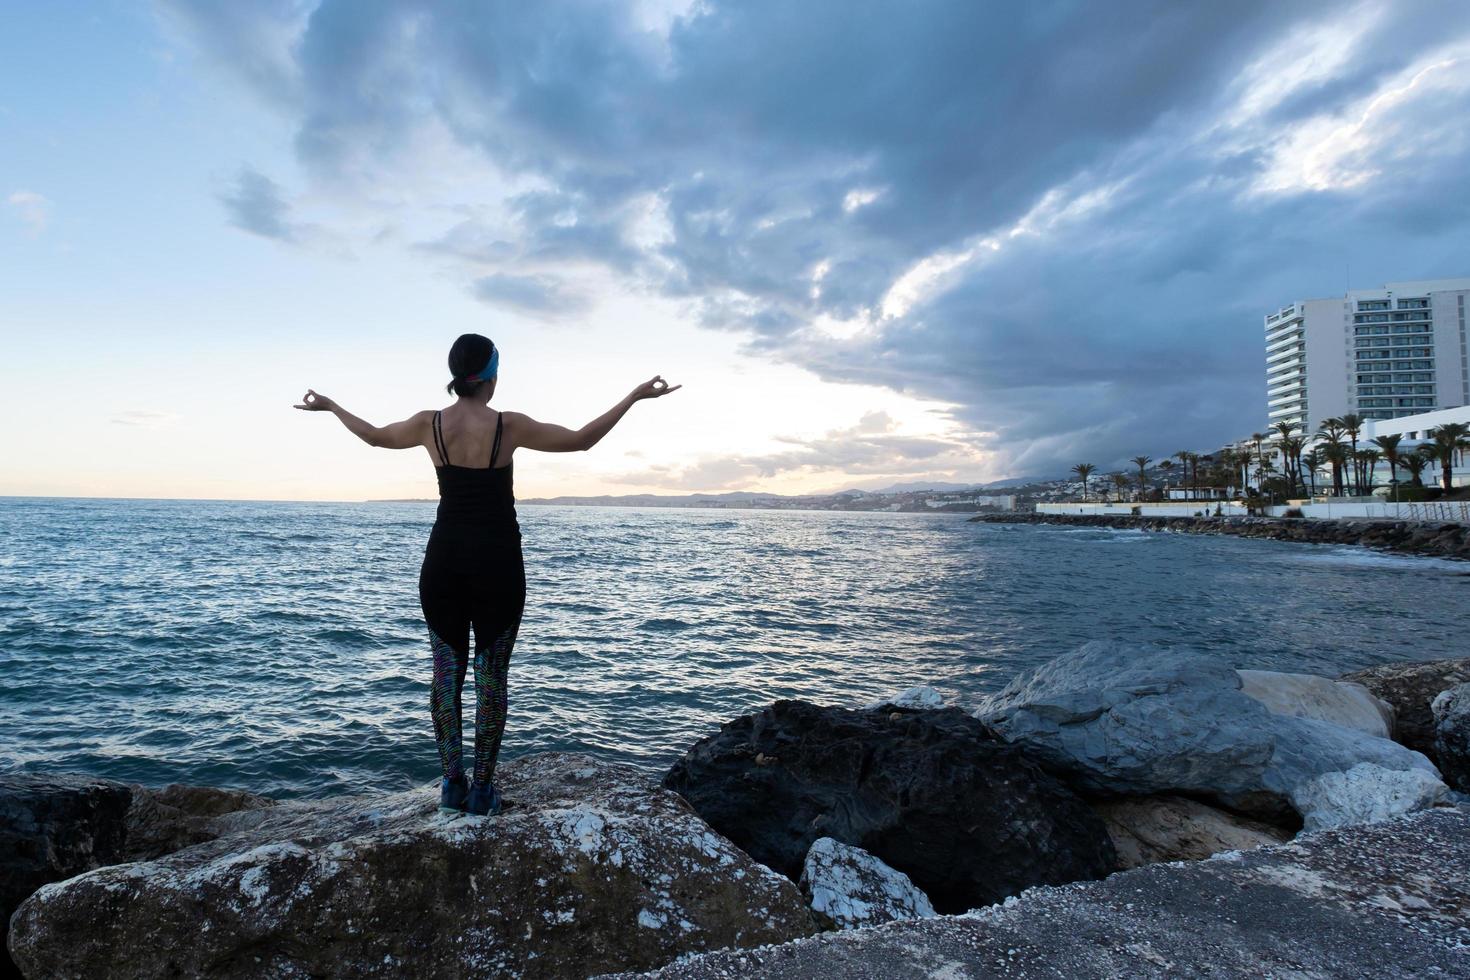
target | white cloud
[{"x": 32, "y": 208}]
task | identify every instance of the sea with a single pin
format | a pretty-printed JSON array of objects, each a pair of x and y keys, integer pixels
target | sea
[{"x": 279, "y": 647}]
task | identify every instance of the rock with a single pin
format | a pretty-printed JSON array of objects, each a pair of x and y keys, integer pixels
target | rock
[
  {"x": 933, "y": 794},
  {"x": 921, "y": 697},
  {"x": 1452, "y": 735},
  {"x": 1373, "y": 901},
  {"x": 1150, "y": 829},
  {"x": 1309, "y": 696},
  {"x": 1121, "y": 719},
  {"x": 591, "y": 868},
  {"x": 53, "y": 827},
  {"x": 160, "y": 821},
  {"x": 852, "y": 889},
  {"x": 1366, "y": 793},
  {"x": 1410, "y": 688}
]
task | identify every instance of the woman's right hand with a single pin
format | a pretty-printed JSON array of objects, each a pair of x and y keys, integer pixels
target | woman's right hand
[{"x": 312, "y": 402}]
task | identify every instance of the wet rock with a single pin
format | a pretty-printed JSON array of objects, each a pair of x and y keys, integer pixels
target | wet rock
[
  {"x": 1452, "y": 735},
  {"x": 922, "y": 697},
  {"x": 1150, "y": 829},
  {"x": 592, "y": 868},
  {"x": 850, "y": 888},
  {"x": 1138, "y": 719},
  {"x": 1411, "y": 688},
  {"x": 1366, "y": 793},
  {"x": 1310, "y": 696},
  {"x": 933, "y": 794}
]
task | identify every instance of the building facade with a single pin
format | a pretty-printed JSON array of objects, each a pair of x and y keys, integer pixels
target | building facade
[{"x": 1378, "y": 353}]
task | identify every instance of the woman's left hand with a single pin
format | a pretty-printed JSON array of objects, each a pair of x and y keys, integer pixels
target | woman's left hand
[
  {"x": 312, "y": 402},
  {"x": 656, "y": 387}
]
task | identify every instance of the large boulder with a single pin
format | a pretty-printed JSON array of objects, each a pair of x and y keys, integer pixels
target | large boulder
[
  {"x": 592, "y": 868},
  {"x": 1150, "y": 829},
  {"x": 55, "y": 826},
  {"x": 1452, "y": 735},
  {"x": 850, "y": 888},
  {"x": 1139, "y": 719},
  {"x": 1322, "y": 698},
  {"x": 1411, "y": 688},
  {"x": 1365, "y": 793},
  {"x": 932, "y": 793}
]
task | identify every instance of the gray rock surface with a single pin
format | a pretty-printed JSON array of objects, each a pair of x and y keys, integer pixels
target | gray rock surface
[
  {"x": 921, "y": 697},
  {"x": 1366, "y": 793},
  {"x": 1452, "y": 735},
  {"x": 1138, "y": 719},
  {"x": 1389, "y": 900},
  {"x": 1150, "y": 829},
  {"x": 1411, "y": 688},
  {"x": 592, "y": 867},
  {"x": 850, "y": 888},
  {"x": 1322, "y": 698}
]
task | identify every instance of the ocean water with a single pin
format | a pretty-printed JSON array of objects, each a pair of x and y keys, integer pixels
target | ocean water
[{"x": 278, "y": 647}]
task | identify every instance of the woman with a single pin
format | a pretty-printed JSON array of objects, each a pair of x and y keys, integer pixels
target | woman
[{"x": 472, "y": 573}]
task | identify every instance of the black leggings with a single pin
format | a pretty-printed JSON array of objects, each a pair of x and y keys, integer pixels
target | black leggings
[{"x": 492, "y": 603}]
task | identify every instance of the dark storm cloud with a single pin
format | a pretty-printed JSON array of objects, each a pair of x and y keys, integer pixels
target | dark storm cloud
[
  {"x": 861, "y": 138},
  {"x": 255, "y": 204}
]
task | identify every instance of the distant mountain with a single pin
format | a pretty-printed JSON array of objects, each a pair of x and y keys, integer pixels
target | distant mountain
[
  {"x": 920, "y": 486},
  {"x": 1020, "y": 481}
]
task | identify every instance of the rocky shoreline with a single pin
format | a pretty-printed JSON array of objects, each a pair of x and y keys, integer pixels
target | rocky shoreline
[
  {"x": 1036, "y": 831},
  {"x": 1435, "y": 539}
]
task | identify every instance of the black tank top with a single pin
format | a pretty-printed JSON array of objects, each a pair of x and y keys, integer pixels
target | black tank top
[{"x": 477, "y": 512}]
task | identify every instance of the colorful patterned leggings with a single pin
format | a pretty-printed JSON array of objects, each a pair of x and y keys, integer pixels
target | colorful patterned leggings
[{"x": 452, "y": 604}]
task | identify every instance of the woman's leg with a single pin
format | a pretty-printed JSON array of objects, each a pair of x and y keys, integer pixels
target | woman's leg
[
  {"x": 449, "y": 642},
  {"x": 495, "y": 637}
]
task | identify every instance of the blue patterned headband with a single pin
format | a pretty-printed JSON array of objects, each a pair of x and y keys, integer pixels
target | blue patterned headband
[{"x": 490, "y": 370}]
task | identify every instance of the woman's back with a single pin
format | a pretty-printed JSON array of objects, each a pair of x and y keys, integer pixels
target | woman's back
[{"x": 477, "y": 513}]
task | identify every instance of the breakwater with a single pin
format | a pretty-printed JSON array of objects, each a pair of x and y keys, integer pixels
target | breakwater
[{"x": 1436, "y": 539}]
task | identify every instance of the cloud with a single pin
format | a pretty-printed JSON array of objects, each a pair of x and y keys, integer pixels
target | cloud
[
  {"x": 1063, "y": 219},
  {"x": 33, "y": 209},
  {"x": 146, "y": 418},
  {"x": 256, "y": 204},
  {"x": 872, "y": 446},
  {"x": 529, "y": 294}
]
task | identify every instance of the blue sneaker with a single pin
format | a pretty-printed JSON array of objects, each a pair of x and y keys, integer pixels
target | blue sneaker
[
  {"x": 452, "y": 794},
  {"x": 482, "y": 800}
]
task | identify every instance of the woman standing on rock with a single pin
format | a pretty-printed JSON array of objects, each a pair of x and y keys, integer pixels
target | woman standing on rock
[{"x": 472, "y": 572}]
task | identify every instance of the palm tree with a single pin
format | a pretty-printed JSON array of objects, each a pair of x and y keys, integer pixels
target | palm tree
[
  {"x": 1083, "y": 471},
  {"x": 1314, "y": 460},
  {"x": 1351, "y": 426},
  {"x": 1445, "y": 443},
  {"x": 1167, "y": 465},
  {"x": 1415, "y": 463},
  {"x": 1290, "y": 452},
  {"x": 1183, "y": 457},
  {"x": 1332, "y": 432},
  {"x": 1389, "y": 447},
  {"x": 1141, "y": 462},
  {"x": 1120, "y": 483},
  {"x": 1367, "y": 462}
]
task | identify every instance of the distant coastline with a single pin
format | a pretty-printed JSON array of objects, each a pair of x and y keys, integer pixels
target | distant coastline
[{"x": 945, "y": 499}]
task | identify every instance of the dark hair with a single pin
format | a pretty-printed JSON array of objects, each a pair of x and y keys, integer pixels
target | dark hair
[{"x": 470, "y": 354}]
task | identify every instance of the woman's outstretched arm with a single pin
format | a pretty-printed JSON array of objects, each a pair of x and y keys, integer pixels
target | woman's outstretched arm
[
  {"x": 522, "y": 430},
  {"x": 411, "y": 432}
]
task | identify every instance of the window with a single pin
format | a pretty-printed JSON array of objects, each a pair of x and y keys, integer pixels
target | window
[{"x": 1372, "y": 304}]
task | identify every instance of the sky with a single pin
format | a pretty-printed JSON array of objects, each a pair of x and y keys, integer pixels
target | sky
[{"x": 876, "y": 242}]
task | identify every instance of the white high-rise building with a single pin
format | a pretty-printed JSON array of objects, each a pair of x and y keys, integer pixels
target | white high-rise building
[{"x": 1377, "y": 353}]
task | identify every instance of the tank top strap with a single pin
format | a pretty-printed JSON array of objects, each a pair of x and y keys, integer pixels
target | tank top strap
[
  {"x": 499, "y": 428},
  {"x": 439, "y": 440}
]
